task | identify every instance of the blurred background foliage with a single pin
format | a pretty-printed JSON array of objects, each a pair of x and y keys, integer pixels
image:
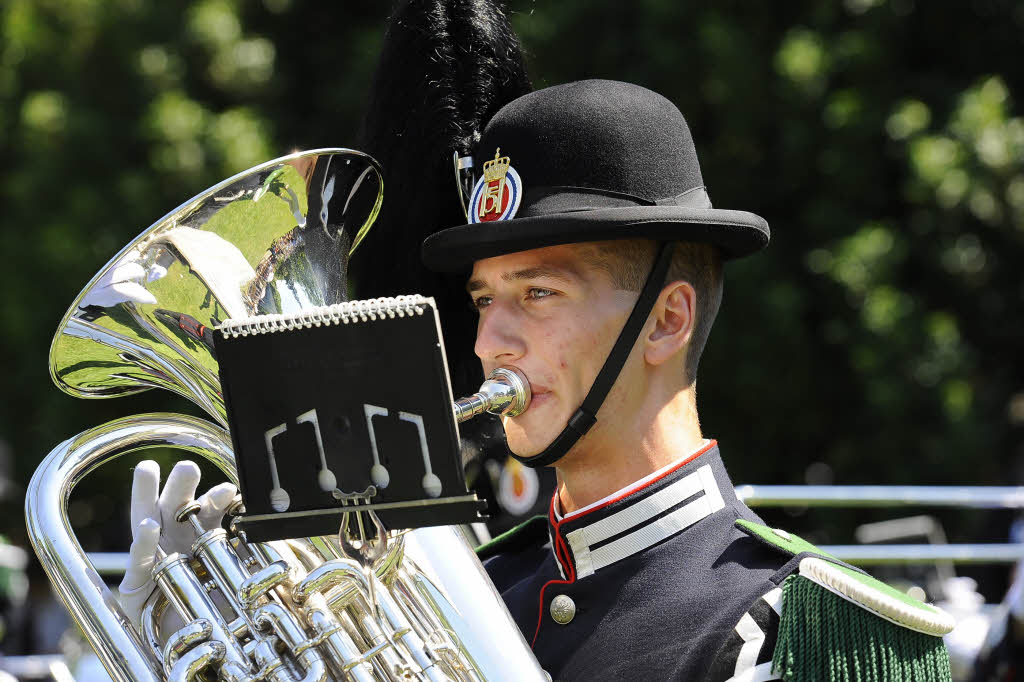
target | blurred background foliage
[{"x": 877, "y": 340}]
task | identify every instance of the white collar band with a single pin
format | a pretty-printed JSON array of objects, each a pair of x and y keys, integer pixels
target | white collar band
[
  {"x": 634, "y": 486},
  {"x": 642, "y": 523}
]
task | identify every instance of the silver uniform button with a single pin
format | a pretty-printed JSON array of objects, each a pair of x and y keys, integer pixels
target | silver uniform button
[{"x": 563, "y": 609}]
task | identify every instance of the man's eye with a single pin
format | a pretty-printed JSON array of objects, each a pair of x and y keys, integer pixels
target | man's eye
[
  {"x": 479, "y": 303},
  {"x": 536, "y": 292}
]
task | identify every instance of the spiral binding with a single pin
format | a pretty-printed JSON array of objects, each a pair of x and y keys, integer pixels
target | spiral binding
[{"x": 339, "y": 313}]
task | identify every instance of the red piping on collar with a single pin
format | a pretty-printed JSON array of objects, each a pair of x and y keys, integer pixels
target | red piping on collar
[{"x": 562, "y": 556}]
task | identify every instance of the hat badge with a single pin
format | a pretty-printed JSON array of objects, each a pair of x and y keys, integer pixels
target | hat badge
[{"x": 498, "y": 193}]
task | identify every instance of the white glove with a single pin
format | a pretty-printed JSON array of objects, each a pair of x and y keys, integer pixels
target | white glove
[{"x": 152, "y": 519}]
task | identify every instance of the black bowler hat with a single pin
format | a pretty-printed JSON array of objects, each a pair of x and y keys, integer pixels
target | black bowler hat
[{"x": 588, "y": 161}]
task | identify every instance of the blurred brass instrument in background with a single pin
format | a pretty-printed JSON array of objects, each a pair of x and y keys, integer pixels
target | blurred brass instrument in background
[{"x": 274, "y": 239}]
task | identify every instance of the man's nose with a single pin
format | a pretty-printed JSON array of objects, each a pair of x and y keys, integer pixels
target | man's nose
[{"x": 499, "y": 338}]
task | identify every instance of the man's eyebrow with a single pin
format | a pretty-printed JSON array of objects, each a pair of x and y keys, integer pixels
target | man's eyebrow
[{"x": 539, "y": 271}]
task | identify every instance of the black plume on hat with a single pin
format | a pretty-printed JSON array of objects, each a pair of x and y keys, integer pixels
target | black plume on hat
[
  {"x": 446, "y": 67},
  {"x": 597, "y": 160}
]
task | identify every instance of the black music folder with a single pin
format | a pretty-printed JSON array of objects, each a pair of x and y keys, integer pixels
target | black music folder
[{"x": 342, "y": 408}]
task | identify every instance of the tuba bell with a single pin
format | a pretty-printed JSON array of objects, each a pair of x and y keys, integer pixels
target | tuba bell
[{"x": 273, "y": 239}]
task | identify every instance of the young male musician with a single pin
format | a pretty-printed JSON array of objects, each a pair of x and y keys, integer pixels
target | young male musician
[{"x": 594, "y": 259}]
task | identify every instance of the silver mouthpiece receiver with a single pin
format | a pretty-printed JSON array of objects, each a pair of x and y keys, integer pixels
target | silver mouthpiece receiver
[{"x": 506, "y": 392}]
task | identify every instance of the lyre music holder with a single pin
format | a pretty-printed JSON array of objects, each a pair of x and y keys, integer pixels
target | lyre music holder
[{"x": 341, "y": 409}]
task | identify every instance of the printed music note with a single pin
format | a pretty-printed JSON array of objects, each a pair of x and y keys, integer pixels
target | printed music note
[
  {"x": 378, "y": 473},
  {"x": 326, "y": 478},
  {"x": 431, "y": 483},
  {"x": 279, "y": 499}
]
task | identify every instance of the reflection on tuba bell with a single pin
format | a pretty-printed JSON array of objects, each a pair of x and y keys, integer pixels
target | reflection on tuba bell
[{"x": 274, "y": 239}]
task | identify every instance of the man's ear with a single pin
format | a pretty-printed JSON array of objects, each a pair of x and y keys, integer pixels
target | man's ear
[{"x": 673, "y": 316}]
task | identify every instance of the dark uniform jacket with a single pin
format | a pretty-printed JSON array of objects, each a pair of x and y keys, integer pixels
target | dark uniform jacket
[{"x": 663, "y": 585}]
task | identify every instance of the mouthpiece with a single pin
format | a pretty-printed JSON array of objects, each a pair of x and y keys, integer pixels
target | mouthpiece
[{"x": 506, "y": 392}]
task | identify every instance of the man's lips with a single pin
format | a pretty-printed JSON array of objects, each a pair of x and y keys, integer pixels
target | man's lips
[{"x": 538, "y": 395}]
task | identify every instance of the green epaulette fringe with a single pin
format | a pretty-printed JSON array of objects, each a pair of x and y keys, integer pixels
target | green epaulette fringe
[{"x": 825, "y": 638}]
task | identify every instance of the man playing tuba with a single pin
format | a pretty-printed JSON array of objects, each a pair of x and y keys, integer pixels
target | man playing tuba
[
  {"x": 593, "y": 256},
  {"x": 598, "y": 274}
]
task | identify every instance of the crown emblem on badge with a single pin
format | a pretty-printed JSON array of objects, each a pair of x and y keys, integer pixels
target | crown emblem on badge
[
  {"x": 498, "y": 191},
  {"x": 496, "y": 168}
]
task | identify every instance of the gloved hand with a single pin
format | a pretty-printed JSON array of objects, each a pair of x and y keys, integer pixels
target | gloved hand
[{"x": 152, "y": 519}]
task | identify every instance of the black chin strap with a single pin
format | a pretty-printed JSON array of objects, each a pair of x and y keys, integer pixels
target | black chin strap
[{"x": 586, "y": 416}]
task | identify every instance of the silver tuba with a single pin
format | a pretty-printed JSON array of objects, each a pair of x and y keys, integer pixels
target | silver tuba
[{"x": 274, "y": 239}]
